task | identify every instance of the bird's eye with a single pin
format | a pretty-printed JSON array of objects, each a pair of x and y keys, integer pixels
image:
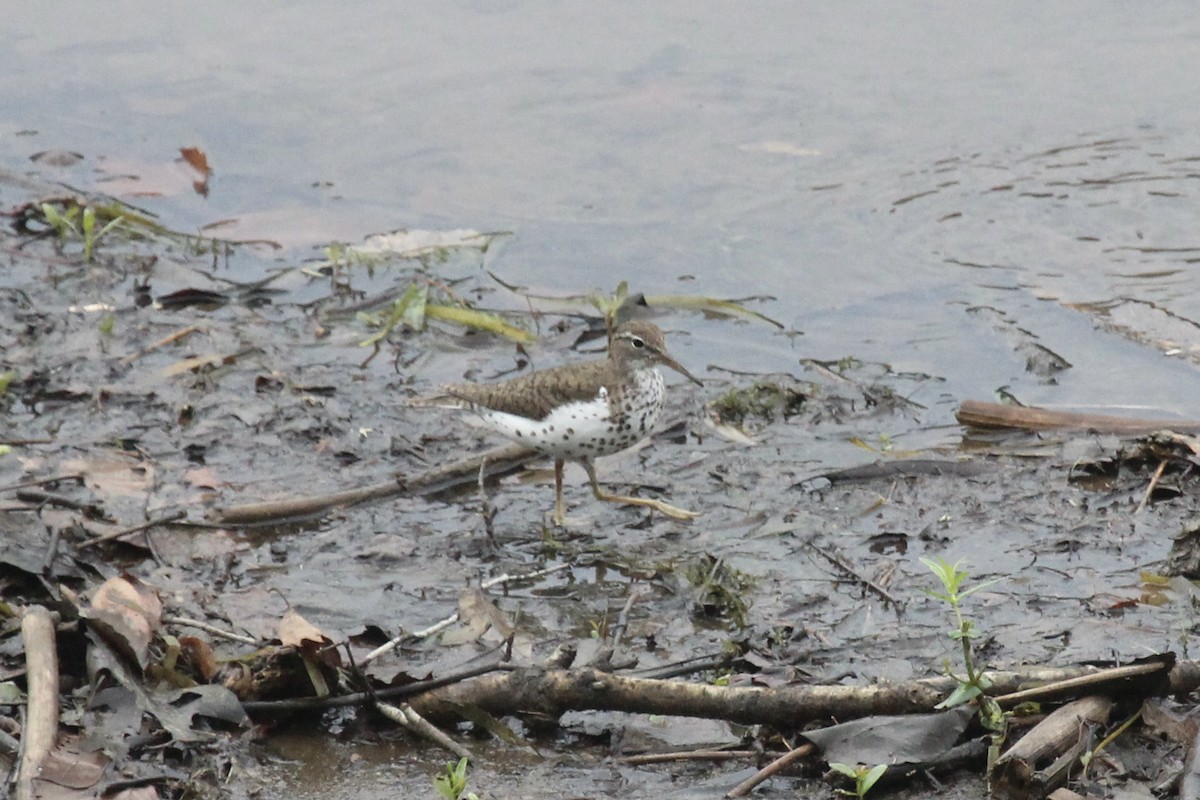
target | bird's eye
[{"x": 637, "y": 342}]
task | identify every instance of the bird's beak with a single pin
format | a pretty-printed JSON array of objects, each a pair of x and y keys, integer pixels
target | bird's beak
[{"x": 675, "y": 365}]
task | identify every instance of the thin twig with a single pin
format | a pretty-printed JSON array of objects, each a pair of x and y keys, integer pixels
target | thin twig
[
  {"x": 618, "y": 630},
  {"x": 404, "y": 716},
  {"x": 41, "y": 498},
  {"x": 770, "y": 770},
  {"x": 487, "y": 510},
  {"x": 845, "y": 566},
  {"x": 51, "y": 549},
  {"x": 1158, "y": 473},
  {"x": 74, "y": 476},
  {"x": 174, "y": 516},
  {"x": 690, "y": 755},
  {"x": 688, "y": 666},
  {"x": 440, "y": 478},
  {"x": 163, "y": 342},
  {"x": 215, "y": 631}
]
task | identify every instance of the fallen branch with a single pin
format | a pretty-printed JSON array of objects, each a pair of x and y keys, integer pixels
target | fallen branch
[
  {"x": 555, "y": 691},
  {"x": 498, "y": 461},
  {"x": 41, "y": 676},
  {"x": 994, "y": 416}
]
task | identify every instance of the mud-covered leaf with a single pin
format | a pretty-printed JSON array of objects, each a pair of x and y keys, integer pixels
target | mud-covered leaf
[
  {"x": 477, "y": 615},
  {"x": 111, "y": 475},
  {"x": 907, "y": 739},
  {"x": 177, "y": 709}
]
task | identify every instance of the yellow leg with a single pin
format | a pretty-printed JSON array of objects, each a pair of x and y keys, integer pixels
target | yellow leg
[
  {"x": 665, "y": 508},
  {"x": 560, "y": 516}
]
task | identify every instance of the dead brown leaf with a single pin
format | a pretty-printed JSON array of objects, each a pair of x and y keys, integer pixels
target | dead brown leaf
[
  {"x": 478, "y": 614},
  {"x": 295, "y": 631},
  {"x": 200, "y": 655},
  {"x": 197, "y": 160},
  {"x": 127, "y": 612},
  {"x": 71, "y": 766}
]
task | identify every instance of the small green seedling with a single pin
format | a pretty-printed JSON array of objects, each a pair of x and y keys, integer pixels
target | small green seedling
[
  {"x": 76, "y": 221},
  {"x": 91, "y": 236},
  {"x": 453, "y": 782},
  {"x": 975, "y": 684},
  {"x": 61, "y": 222},
  {"x": 864, "y": 777}
]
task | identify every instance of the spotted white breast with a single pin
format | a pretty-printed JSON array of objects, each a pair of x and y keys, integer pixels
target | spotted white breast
[{"x": 609, "y": 422}]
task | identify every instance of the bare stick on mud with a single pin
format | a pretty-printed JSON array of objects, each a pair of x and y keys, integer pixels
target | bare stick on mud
[
  {"x": 41, "y": 674},
  {"x": 774, "y": 768},
  {"x": 139, "y": 528},
  {"x": 498, "y": 461},
  {"x": 998, "y": 416}
]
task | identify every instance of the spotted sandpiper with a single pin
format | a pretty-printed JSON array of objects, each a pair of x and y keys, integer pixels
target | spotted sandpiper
[{"x": 576, "y": 412}]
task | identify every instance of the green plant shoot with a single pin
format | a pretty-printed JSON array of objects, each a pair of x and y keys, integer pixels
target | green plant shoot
[{"x": 864, "y": 777}]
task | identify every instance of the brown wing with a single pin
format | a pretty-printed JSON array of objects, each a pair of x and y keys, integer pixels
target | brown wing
[{"x": 535, "y": 395}]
